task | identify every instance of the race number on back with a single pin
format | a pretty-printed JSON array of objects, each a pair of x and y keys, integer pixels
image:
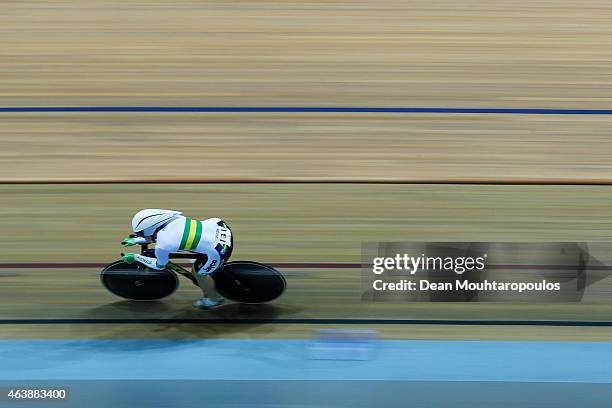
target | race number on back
[{"x": 224, "y": 236}]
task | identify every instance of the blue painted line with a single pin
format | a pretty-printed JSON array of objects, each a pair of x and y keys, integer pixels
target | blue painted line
[
  {"x": 298, "y": 109},
  {"x": 507, "y": 361}
]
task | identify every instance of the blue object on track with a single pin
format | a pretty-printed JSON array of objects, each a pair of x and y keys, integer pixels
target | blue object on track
[
  {"x": 277, "y": 373},
  {"x": 287, "y": 359}
]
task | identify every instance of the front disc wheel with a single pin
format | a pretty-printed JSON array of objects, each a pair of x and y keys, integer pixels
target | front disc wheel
[{"x": 137, "y": 282}]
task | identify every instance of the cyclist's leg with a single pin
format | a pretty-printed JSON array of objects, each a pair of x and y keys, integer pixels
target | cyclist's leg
[
  {"x": 202, "y": 270},
  {"x": 219, "y": 252}
]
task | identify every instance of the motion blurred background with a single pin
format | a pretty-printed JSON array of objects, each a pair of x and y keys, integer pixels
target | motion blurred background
[{"x": 438, "y": 54}]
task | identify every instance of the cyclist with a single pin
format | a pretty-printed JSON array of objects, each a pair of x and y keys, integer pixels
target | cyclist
[{"x": 170, "y": 231}]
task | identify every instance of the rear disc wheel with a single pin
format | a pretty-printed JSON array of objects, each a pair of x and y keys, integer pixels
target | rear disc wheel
[{"x": 249, "y": 282}]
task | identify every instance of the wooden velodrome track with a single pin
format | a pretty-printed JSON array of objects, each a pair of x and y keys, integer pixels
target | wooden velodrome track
[
  {"x": 554, "y": 54},
  {"x": 286, "y": 223}
]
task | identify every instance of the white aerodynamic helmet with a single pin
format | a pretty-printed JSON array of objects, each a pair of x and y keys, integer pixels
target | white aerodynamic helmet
[{"x": 146, "y": 222}]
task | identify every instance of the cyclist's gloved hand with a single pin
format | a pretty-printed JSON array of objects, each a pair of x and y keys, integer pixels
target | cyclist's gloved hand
[
  {"x": 130, "y": 241},
  {"x": 129, "y": 258}
]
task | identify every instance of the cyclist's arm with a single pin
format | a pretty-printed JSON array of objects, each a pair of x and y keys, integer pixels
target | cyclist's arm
[
  {"x": 163, "y": 248},
  {"x": 167, "y": 242},
  {"x": 131, "y": 241},
  {"x": 159, "y": 262},
  {"x": 142, "y": 240}
]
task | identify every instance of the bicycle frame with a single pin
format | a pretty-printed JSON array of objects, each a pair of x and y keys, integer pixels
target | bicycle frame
[{"x": 145, "y": 250}]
